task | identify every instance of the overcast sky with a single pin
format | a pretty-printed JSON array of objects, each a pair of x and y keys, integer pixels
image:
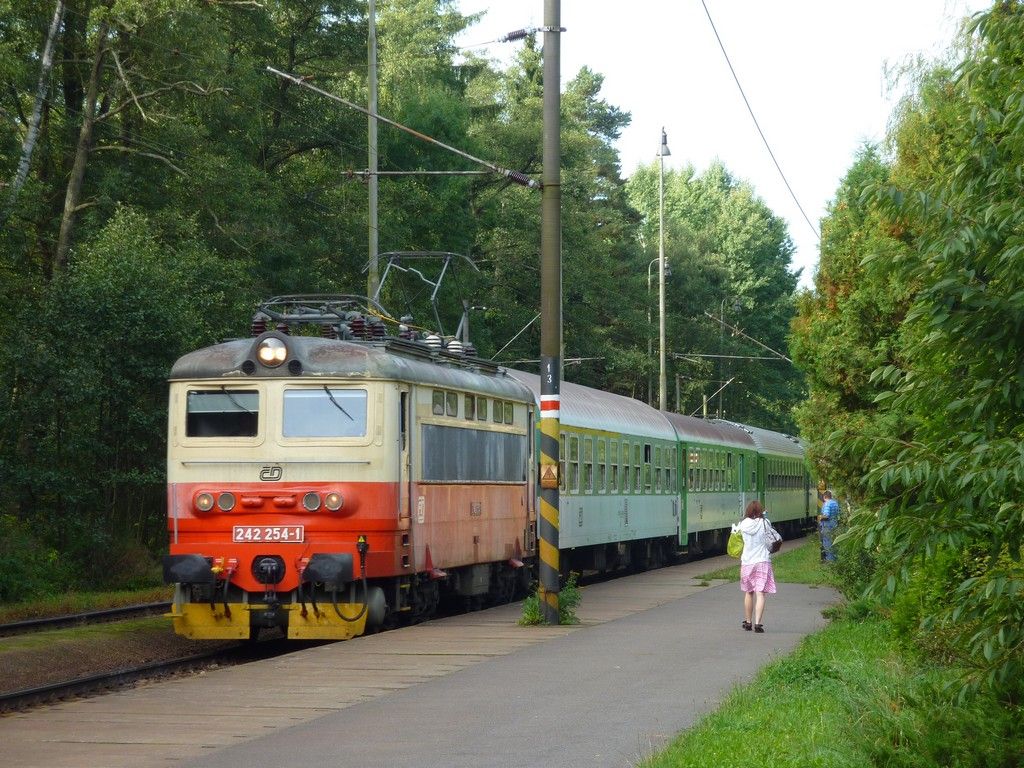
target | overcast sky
[{"x": 814, "y": 72}]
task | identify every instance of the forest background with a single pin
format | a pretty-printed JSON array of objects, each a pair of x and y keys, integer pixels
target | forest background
[{"x": 173, "y": 183}]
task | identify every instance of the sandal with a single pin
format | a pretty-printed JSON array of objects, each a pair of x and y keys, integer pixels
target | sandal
[
  {"x": 759, "y": 628},
  {"x": 747, "y": 626}
]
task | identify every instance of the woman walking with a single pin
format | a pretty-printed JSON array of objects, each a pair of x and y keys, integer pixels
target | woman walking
[{"x": 757, "y": 579}]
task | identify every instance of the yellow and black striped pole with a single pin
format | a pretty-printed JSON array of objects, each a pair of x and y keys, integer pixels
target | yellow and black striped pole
[
  {"x": 548, "y": 520},
  {"x": 551, "y": 316}
]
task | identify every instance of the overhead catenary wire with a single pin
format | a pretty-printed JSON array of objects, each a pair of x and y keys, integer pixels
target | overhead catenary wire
[
  {"x": 750, "y": 109},
  {"x": 515, "y": 176},
  {"x": 739, "y": 332}
]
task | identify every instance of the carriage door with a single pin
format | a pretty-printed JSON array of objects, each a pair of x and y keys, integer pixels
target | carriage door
[
  {"x": 404, "y": 463},
  {"x": 741, "y": 483}
]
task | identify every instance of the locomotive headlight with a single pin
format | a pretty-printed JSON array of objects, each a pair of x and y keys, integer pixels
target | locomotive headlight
[
  {"x": 333, "y": 501},
  {"x": 311, "y": 501},
  {"x": 272, "y": 352},
  {"x": 226, "y": 502},
  {"x": 204, "y": 502}
]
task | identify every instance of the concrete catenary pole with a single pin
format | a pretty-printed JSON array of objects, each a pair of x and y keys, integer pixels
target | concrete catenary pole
[
  {"x": 373, "y": 272},
  {"x": 551, "y": 315},
  {"x": 662, "y": 384}
]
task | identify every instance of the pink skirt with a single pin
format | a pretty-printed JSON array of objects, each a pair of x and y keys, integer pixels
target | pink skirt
[{"x": 757, "y": 578}]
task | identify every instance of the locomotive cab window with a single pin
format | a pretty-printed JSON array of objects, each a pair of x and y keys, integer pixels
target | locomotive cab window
[
  {"x": 324, "y": 412},
  {"x": 222, "y": 413}
]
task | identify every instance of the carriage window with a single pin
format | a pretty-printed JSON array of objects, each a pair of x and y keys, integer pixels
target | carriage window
[
  {"x": 574, "y": 464},
  {"x": 509, "y": 413},
  {"x": 602, "y": 460},
  {"x": 481, "y": 409},
  {"x": 470, "y": 411},
  {"x": 670, "y": 465},
  {"x": 625, "y": 467},
  {"x": 451, "y": 400},
  {"x": 588, "y": 465},
  {"x": 437, "y": 404},
  {"x": 497, "y": 411},
  {"x": 324, "y": 413},
  {"x": 657, "y": 468},
  {"x": 614, "y": 460},
  {"x": 222, "y": 413},
  {"x": 647, "y": 467},
  {"x": 637, "y": 467},
  {"x": 561, "y": 462}
]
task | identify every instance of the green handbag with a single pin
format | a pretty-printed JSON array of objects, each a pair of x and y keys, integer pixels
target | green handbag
[{"x": 735, "y": 545}]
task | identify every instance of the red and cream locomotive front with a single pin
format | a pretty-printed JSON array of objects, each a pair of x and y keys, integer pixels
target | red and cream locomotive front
[{"x": 283, "y": 490}]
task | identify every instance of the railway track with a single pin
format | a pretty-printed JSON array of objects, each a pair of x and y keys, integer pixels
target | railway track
[
  {"x": 47, "y": 694},
  {"x": 102, "y": 682},
  {"x": 83, "y": 619}
]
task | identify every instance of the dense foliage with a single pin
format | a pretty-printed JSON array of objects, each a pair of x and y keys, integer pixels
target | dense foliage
[
  {"x": 171, "y": 183},
  {"x": 914, "y": 339},
  {"x": 729, "y": 255}
]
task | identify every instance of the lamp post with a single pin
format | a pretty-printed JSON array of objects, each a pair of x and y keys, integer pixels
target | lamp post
[
  {"x": 662, "y": 386},
  {"x": 650, "y": 340}
]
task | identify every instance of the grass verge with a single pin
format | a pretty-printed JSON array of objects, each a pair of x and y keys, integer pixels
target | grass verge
[
  {"x": 105, "y": 632},
  {"x": 79, "y": 602},
  {"x": 799, "y": 565},
  {"x": 848, "y": 696}
]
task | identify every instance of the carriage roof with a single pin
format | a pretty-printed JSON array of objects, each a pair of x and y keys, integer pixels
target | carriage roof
[{"x": 588, "y": 408}]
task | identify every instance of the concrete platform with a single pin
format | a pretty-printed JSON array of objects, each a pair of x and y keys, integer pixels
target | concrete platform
[{"x": 653, "y": 653}]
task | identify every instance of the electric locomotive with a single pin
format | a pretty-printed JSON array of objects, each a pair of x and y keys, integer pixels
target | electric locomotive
[{"x": 326, "y": 485}]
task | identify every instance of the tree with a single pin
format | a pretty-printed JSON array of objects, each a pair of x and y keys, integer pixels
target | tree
[
  {"x": 848, "y": 326},
  {"x": 730, "y": 255},
  {"x": 943, "y": 511},
  {"x": 87, "y": 408}
]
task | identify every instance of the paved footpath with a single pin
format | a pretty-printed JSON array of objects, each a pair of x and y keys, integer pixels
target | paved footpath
[{"x": 652, "y": 654}]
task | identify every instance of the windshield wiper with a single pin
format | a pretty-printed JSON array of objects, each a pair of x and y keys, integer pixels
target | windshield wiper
[
  {"x": 337, "y": 404},
  {"x": 234, "y": 402}
]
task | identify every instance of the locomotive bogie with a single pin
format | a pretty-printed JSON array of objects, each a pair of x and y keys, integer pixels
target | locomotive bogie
[{"x": 329, "y": 619}]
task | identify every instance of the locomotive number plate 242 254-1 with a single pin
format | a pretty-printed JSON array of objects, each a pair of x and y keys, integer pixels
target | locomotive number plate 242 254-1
[{"x": 259, "y": 533}]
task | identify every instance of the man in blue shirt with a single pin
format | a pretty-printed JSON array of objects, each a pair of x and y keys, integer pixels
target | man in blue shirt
[{"x": 827, "y": 522}]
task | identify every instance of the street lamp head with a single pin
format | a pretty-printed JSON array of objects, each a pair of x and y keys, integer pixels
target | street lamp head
[{"x": 663, "y": 149}]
